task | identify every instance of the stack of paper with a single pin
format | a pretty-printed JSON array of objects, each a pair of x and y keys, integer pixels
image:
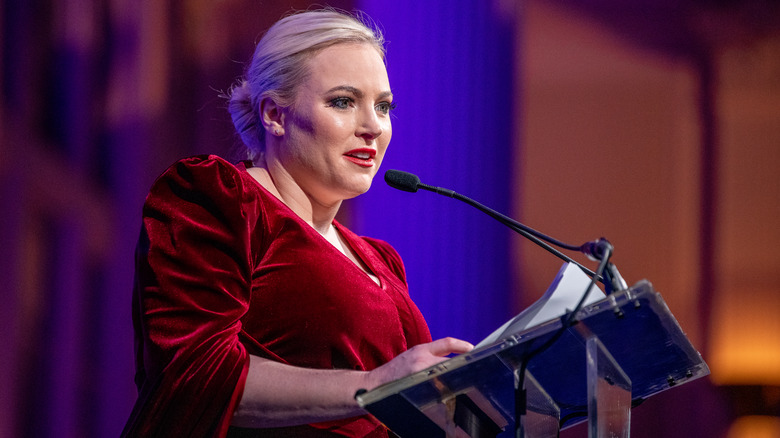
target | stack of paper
[{"x": 562, "y": 296}]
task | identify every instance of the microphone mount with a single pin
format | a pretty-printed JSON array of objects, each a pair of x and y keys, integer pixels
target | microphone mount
[{"x": 597, "y": 250}]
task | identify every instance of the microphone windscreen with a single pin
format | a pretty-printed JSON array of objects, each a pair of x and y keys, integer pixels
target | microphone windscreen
[{"x": 401, "y": 180}]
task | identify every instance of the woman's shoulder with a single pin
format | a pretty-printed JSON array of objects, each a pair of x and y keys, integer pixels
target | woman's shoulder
[
  {"x": 200, "y": 168},
  {"x": 205, "y": 181},
  {"x": 209, "y": 174}
]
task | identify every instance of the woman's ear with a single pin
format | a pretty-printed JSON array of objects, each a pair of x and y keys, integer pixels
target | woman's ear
[{"x": 272, "y": 117}]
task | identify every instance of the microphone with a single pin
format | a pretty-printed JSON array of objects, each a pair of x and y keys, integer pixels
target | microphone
[
  {"x": 600, "y": 250},
  {"x": 596, "y": 250},
  {"x": 409, "y": 182},
  {"x": 405, "y": 181}
]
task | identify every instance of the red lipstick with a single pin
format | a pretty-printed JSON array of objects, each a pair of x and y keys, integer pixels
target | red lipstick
[{"x": 362, "y": 156}]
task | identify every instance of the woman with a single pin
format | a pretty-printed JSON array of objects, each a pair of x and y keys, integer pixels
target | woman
[{"x": 256, "y": 313}]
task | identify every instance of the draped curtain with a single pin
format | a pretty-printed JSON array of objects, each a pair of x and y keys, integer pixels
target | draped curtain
[{"x": 452, "y": 76}]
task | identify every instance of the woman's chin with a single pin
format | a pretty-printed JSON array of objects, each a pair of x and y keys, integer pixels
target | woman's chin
[{"x": 357, "y": 188}]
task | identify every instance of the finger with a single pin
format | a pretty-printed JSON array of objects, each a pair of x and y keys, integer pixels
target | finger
[{"x": 445, "y": 346}]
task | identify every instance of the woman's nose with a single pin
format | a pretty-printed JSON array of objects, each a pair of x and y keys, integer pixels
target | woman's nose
[{"x": 370, "y": 127}]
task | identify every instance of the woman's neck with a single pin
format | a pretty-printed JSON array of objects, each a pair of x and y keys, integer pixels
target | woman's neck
[{"x": 281, "y": 184}]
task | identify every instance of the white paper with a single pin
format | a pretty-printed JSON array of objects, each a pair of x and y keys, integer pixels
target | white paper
[{"x": 562, "y": 296}]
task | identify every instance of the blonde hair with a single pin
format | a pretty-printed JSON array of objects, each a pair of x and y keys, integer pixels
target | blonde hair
[{"x": 279, "y": 64}]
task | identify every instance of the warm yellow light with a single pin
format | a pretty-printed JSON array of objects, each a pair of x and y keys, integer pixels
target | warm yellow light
[
  {"x": 755, "y": 426},
  {"x": 746, "y": 338}
]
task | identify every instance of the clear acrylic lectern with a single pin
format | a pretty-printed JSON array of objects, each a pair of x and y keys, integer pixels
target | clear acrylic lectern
[{"x": 621, "y": 351}]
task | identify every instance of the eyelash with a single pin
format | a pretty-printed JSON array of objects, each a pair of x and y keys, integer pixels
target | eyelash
[
  {"x": 390, "y": 106},
  {"x": 335, "y": 103},
  {"x": 342, "y": 102}
]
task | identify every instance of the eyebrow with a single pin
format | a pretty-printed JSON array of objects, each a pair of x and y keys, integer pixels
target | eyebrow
[{"x": 356, "y": 92}]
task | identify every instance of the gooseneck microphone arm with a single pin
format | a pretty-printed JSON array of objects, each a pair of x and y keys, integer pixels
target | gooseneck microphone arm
[
  {"x": 529, "y": 233},
  {"x": 597, "y": 249}
]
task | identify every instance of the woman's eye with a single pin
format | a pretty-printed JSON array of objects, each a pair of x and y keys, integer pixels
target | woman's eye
[
  {"x": 340, "y": 102},
  {"x": 385, "y": 107}
]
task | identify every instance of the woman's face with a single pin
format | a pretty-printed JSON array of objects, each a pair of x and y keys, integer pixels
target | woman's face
[{"x": 337, "y": 130}]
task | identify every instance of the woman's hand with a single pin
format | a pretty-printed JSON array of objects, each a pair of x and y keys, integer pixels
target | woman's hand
[
  {"x": 416, "y": 359},
  {"x": 277, "y": 394}
]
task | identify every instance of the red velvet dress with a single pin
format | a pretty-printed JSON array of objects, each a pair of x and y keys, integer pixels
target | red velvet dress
[{"x": 223, "y": 270}]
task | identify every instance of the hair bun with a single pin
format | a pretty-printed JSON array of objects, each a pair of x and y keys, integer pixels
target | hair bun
[{"x": 245, "y": 118}]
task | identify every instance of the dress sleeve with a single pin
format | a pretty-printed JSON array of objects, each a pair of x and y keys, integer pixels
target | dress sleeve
[{"x": 193, "y": 278}]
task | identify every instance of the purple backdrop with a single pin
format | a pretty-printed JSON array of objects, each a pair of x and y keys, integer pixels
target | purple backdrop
[{"x": 451, "y": 73}]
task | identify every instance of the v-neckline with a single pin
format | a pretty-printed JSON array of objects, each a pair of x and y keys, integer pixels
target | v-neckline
[{"x": 360, "y": 255}]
